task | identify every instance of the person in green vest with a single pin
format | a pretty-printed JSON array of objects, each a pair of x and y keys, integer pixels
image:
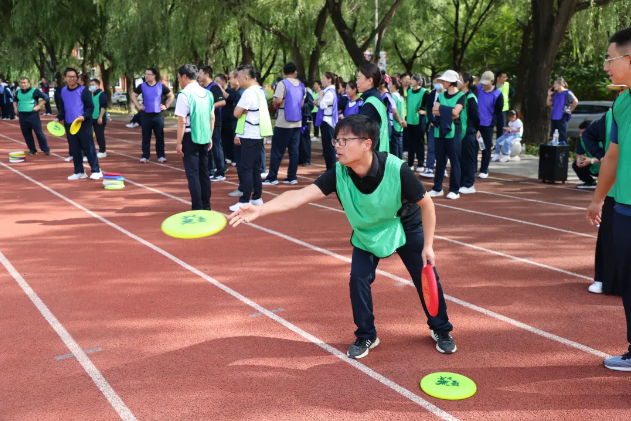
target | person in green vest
[
  {"x": 616, "y": 169},
  {"x": 508, "y": 93},
  {"x": 99, "y": 116},
  {"x": 368, "y": 81},
  {"x": 586, "y": 166},
  {"x": 195, "y": 122},
  {"x": 447, "y": 134},
  {"x": 398, "y": 124},
  {"x": 28, "y": 101},
  {"x": 470, "y": 119},
  {"x": 389, "y": 211},
  {"x": 416, "y": 119},
  {"x": 315, "y": 94}
]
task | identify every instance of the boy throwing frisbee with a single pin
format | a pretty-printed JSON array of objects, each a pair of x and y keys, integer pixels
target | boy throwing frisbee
[{"x": 389, "y": 212}]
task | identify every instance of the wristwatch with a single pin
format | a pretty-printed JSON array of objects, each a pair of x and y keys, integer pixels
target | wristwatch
[{"x": 592, "y": 161}]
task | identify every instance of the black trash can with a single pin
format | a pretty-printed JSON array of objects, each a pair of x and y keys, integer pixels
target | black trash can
[{"x": 553, "y": 163}]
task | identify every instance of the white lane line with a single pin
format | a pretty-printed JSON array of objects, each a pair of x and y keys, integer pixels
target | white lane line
[
  {"x": 400, "y": 280},
  {"x": 524, "y": 181},
  {"x": 117, "y": 403},
  {"x": 304, "y": 334}
]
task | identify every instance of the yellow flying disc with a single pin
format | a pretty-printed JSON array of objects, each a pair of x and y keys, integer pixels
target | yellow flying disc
[
  {"x": 17, "y": 154},
  {"x": 449, "y": 386},
  {"x": 113, "y": 182},
  {"x": 194, "y": 224},
  {"x": 56, "y": 129},
  {"x": 76, "y": 125},
  {"x": 115, "y": 187}
]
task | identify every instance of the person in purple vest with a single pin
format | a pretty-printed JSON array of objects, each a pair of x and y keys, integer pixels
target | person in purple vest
[
  {"x": 152, "y": 119},
  {"x": 563, "y": 102},
  {"x": 490, "y": 105},
  {"x": 327, "y": 116},
  {"x": 218, "y": 160},
  {"x": 354, "y": 102},
  {"x": 289, "y": 98},
  {"x": 75, "y": 103}
]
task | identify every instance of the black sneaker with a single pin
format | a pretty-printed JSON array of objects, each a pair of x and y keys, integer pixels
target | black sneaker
[
  {"x": 31, "y": 153},
  {"x": 46, "y": 152},
  {"x": 444, "y": 342},
  {"x": 360, "y": 348}
]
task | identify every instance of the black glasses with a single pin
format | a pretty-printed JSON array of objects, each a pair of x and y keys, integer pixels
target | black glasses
[{"x": 342, "y": 141}]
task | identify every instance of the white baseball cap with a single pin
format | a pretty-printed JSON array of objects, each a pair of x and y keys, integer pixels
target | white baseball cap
[
  {"x": 450, "y": 76},
  {"x": 487, "y": 78}
]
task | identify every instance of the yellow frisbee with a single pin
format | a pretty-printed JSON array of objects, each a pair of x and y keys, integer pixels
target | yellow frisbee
[
  {"x": 449, "y": 386},
  {"x": 194, "y": 224},
  {"x": 114, "y": 186},
  {"x": 17, "y": 154},
  {"x": 56, "y": 129},
  {"x": 76, "y": 125}
]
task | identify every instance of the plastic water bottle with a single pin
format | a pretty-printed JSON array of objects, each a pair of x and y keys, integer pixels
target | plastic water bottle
[
  {"x": 481, "y": 143},
  {"x": 555, "y": 138}
]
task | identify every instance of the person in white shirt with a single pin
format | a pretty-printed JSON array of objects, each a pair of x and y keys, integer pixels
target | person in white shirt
[
  {"x": 514, "y": 131},
  {"x": 196, "y": 121},
  {"x": 327, "y": 116}
]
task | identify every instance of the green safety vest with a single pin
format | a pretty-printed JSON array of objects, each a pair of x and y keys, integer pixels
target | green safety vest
[
  {"x": 200, "y": 109},
  {"x": 622, "y": 117},
  {"x": 97, "y": 106},
  {"x": 595, "y": 168},
  {"x": 464, "y": 114},
  {"x": 384, "y": 131},
  {"x": 315, "y": 97},
  {"x": 377, "y": 228},
  {"x": 414, "y": 104},
  {"x": 395, "y": 124},
  {"x": 452, "y": 102},
  {"x": 26, "y": 102},
  {"x": 505, "y": 90},
  {"x": 265, "y": 121}
]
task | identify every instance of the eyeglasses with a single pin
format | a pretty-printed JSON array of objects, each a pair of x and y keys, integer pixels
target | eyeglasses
[
  {"x": 342, "y": 141},
  {"x": 607, "y": 60}
]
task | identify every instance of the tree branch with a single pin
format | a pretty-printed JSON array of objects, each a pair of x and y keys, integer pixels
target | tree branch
[
  {"x": 582, "y": 5},
  {"x": 383, "y": 24}
]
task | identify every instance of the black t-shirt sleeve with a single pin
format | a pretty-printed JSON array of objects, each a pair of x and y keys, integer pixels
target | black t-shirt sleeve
[
  {"x": 232, "y": 96},
  {"x": 165, "y": 90},
  {"x": 461, "y": 101},
  {"x": 473, "y": 114},
  {"x": 138, "y": 89},
  {"x": 327, "y": 182},
  {"x": 103, "y": 100},
  {"x": 217, "y": 94},
  {"x": 411, "y": 187}
]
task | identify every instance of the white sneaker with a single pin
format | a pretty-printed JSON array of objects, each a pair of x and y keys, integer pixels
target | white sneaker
[
  {"x": 228, "y": 161},
  {"x": 290, "y": 181},
  {"x": 596, "y": 288},
  {"x": 419, "y": 169},
  {"x": 234, "y": 164},
  {"x": 446, "y": 173},
  {"x": 96, "y": 175},
  {"x": 428, "y": 173},
  {"x": 236, "y": 206},
  {"x": 136, "y": 125},
  {"x": 162, "y": 159},
  {"x": 504, "y": 158},
  {"x": 467, "y": 190},
  {"x": 79, "y": 176},
  {"x": 434, "y": 193},
  {"x": 85, "y": 159},
  {"x": 257, "y": 202},
  {"x": 69, "y": 159},
  {"x": 218, "y": 178},
  {"x": 496, "y": 157},
  {"x": 263, "y": 175},
  {"x": 101, "y": 155},
  {"x": 514, "y": 159},
  {"x": 130, "y": 125},
  {"x": 236, "y": 193},
  {"x": 453, "y": 196},
  {"x": 483, "y": 175},
  {"x": 270, "y": 183},
  {"x": 143, "y": 160}
]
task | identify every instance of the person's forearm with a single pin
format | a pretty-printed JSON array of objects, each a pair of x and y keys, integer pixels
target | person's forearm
[
  {"x": 606, "y": 177},
  {"x": 549, "y": 101},
  {"x": 574, "y": 104},
  {"x": 15, "y": 107},
  {"x": 428, "y": 215},
  {"x": 395, "y": 114},
  {"x": 181, "y": 128},
  {"x": 219, "y": 104},
  {"x": 170, "y": 99},
  {"x": 134, "y": 99},
  {"x": 101, "y": 113}
]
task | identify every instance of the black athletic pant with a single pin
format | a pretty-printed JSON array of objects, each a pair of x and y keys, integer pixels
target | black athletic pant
[
  {"x": 487, "y": 136},
  {"x": 304, "y": 152},
  {"x": 47, "y": 107},
  {"x": 82, "y": 144},
  {"x": 468, "y": 160},
  {"x": 152, "y": 122},
  {"x": 227, "y": 140},
  {"x": 447, "y": 147},
  {"x": 250, "y": 173},
  {"x": 330, "y": 157},
  {"x": 416, "y": 144},
  {"x": 282, "y": 140},
  {"x": 196, "y": 168},
  {"x": 99, "y": 132},
  {"x": 622, "y": 244},
  {"x": 584, "y": 174},
  {"x": 29, "y": 123}
]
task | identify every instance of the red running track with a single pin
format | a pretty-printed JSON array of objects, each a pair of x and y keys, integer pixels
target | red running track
[{"x": 185, "y": 329}]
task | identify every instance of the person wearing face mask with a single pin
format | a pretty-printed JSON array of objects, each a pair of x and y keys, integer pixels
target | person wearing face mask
[
  {"x": 99, "y": 116},
  {"x": 431, "y": 100}
]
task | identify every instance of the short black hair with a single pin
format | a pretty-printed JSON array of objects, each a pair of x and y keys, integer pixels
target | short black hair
[
  {"x": 405, "y": 74},
  {"x": 208, "y": 70},
  {"x": 152, "y": 70},
  {"x": 45, "y": 78},
  {"x": 95, "y": 80},
  {"x": 360, "y": 126},
  {"x": 221, "y": 76},
  {"x": 511, "y": 113},
  {"x": 248, "y": 70},
  {"x": 585, "y": 124},
  {"x": 622, "y": 38},
  {"x": 319, "y": 82},
  {"x": 70, "y": 69},
  {"x": 188, "y": 70},
  {"x": 25, "y": 78},
  {"x": 290, "y": 68}
]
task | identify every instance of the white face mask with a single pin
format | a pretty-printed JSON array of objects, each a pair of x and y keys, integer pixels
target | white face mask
[
  {"x": 438, "y": 86},
  {"x": 93, "y": 88}
]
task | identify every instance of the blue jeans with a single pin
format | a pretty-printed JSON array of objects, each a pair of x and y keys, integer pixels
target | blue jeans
[
  {"x": 431, "y": 151},
  {"x": 505, "y": 142}
]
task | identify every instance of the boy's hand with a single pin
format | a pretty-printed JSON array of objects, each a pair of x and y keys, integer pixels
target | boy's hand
[{"x": 428, "y": 255}]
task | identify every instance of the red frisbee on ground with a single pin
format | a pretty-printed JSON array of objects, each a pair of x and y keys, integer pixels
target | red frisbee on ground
[
  {"x": 112, "y": 174},
  {"x": 430, "y": 290}
]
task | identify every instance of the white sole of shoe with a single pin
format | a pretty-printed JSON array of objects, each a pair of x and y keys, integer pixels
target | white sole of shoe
[
  {"x": 439, "y": 349},
  {"x": 619, "y": 368},
  {"x": 373, "y": 346}
]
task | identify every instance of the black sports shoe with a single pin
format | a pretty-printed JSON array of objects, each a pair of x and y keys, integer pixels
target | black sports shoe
[
  {"x": 360, "y": 348},
  {"x": 46, "y": 152},
  {"x": 444, "y": 342},
  {"x": 31, "y": 153}
]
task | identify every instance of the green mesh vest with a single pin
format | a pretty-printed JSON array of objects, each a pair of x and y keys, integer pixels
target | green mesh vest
[
  {"x": 376, "y": 226},
  {"x": 384, "y": 131},
  {"x": 464, "y": 114},
  {"x": 452, "y": 102},
  {"x": 26, "y": 102},
  {"x": 413, "y": 105},
  {"x": 622, "y": 117},
  {"x": 395, "y": 124},
  {"x": 200, "y": 110},
  {"x": 97, "y": 106}
]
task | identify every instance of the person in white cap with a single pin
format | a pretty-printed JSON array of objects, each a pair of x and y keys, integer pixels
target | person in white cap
[
  {"x": 490, "y": 106},
  {"x": 447, "y": 130}
]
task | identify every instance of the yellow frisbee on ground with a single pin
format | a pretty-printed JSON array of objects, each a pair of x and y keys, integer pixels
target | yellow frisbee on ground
[
  {"x": 17, "y": 154},
  {"x": 114, "y": 187},
  {"x": 56, "y": 129},
  {"x": 76, "y": 125},
  {"x": 194, "y": 224},
  {"x": 449, "y": 386}
]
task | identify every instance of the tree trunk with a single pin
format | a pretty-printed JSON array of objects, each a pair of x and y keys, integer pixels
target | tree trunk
[
  {"x": 247, "y": 52},
  {"x": 316, "y": 53},
  {"x": 176, "y": 83},
  {"x": 523, "y": 65},
  {"x": 105, "y": 79},
  {"x": 129, "y": 82}
]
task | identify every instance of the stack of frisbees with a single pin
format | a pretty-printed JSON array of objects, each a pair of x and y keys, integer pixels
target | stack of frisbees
[{"x": 113, "y": 181}]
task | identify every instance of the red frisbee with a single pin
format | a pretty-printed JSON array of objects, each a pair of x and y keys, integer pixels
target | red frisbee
[
  {"x": 112, "y": 174},
  {"x": 430, "y": 290}
]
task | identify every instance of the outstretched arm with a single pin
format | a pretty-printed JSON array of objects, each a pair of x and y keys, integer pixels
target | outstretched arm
[
  {"x": 428, "y": 214},
  {"x": 289, "y": 200}
]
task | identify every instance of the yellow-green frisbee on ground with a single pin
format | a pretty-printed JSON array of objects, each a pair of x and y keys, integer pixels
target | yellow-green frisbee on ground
[
  {"x": 449, "y": 386},
  {"x": 194, "y": 224}
]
